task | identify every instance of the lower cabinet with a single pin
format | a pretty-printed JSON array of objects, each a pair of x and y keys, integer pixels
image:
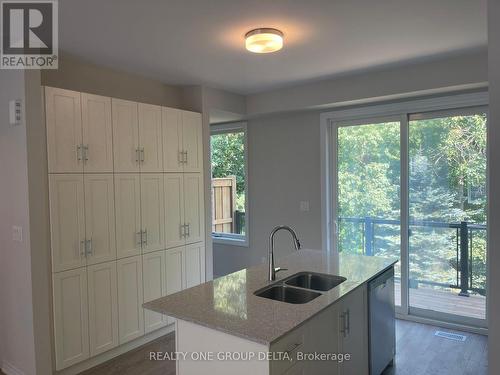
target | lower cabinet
[
  {"x": 103, "y": 307},
  {"x": 155, "y": 286},
  {"x": 71, "y": 320},
  {"x": 130, "y": 298},
  {"x": 99, "y": 307}
]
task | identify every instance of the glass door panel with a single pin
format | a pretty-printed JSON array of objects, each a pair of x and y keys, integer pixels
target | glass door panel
[
  {"x": 368, "y": 191},
  {"x": 447, "y": 215}
]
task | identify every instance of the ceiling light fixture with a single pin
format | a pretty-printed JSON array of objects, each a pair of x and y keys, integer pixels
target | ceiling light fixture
[{"x": 264, "y": 40}]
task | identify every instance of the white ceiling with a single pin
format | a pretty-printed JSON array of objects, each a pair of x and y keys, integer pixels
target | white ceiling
[{"x": 201, "y": 41}]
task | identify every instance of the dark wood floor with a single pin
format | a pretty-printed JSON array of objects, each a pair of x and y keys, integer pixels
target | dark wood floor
[{"x": 419, "y": 352}]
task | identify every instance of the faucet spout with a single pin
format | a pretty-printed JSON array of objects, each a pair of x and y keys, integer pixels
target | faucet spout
[{"x": 296, "y": 244}]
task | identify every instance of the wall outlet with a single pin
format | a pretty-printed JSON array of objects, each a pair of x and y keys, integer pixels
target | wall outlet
[
  {"x": 304, "y": 206},
  {"x": 17, "y": 233}
]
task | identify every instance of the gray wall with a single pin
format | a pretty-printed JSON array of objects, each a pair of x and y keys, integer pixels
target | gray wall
[
  {"x": 76, "y": 74},
  {"x": 284, "y": 169},
  {"x": 494, "y": 194},
  {"x": 17, "y": 347}
]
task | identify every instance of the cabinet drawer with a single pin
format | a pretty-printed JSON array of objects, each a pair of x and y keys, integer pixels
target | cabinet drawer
[{"x": 286, "y": 346}]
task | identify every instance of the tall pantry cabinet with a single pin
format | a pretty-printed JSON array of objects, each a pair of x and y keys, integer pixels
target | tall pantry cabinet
[{"x": 127, "y": 225}]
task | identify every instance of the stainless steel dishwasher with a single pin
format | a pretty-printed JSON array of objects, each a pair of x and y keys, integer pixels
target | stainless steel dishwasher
[{"x": 382, "y": 322}]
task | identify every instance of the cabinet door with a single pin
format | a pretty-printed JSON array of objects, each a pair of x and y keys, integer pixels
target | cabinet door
[
  {"x": 64, "y": 130},
  {"x": 192, "y": 141},
  {"x": 354, "y": 340},
  {"x": 152, "y": 212},
  {"x": 103, "y": 307},
  {"x": 130, "y": 297},
  {"x": 67, "y": 221},
  {"x": 174, "y": 210},
  {"x": 155, "y": 283},
  {"x": 172, "y": 140},
  {"x": 128, "y": 214},
  {"x": 194, "y": 268},
  {"x": 125, "y": 136},
  {"x": 71, "y": 328},
  {"x": 194, "y": 207},
  {"x": 174, "y": 261},
  {"x": 100, "y": 218},
  {"x": 150, "y": 138}
]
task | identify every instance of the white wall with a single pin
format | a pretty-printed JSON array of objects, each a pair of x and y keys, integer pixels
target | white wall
[
  {"x": 284, "y": 169},
  {"x": 16, "y": 325},
  {"x": 494, "y": 193}
]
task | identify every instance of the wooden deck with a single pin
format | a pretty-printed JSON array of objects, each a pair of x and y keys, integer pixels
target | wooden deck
[{"x": 444, "y": 301}]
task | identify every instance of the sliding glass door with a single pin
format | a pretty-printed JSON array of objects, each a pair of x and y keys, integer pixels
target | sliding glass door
[
  {"x": 368, "y": 199},
  {"x": 413, "y": 187},
  {"x": 447, "y": 215}
]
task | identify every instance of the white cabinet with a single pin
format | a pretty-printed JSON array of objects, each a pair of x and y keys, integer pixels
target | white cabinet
[
  {"x": 174, "y": 210},
  {"x": 97, "y": 133},
  {"x": 154, "y": 282},
  {"x": 126, "y": 152},
  {"x": 182, "y": 141},
  {"x": 194, "y": 268},
  {"x": 152, "y": 212},
  {"x": 184, "y": 207},
  {"x": 103, "y": 307},
  {"x": 174, "y": 260},
  {"x": 137, "y": 134},
  {"x": 194, "y": 212},
  {"x": 64, "y": 130},
  {"x": 192, "y": 141},
  {"x": 67, "y": 221},
  {"x": 150, "y": 138},
  {"x": 79, "y": 132},
  {"x": 353, "y": 320},
  {"x": 70, "y": 317},
  {"x": 82, "y": 220},
  {"x": 130, "y": 297},
  {"x": 100, "y": 218},
  {"x": 128, "y": 214}
]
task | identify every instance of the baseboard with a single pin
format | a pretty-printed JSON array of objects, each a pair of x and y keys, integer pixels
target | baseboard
[
  {"x": 10, "y": 369},
  {"x": 122, "y": 349}
]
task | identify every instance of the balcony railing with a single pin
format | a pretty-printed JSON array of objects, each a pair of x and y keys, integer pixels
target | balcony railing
[{"x": 466, "y": 251}]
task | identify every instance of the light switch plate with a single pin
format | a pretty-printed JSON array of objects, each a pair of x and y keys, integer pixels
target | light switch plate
[
  {"x": 304, "y": 206},
  {"x": 17, "y": 233},
  {"x": 15, "y": 112}
]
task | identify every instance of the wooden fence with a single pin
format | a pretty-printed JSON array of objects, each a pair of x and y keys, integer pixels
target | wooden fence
[{"x": 224, "y": 204}]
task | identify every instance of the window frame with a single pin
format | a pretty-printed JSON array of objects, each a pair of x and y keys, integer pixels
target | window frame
[{"x": 232, "y": 238}]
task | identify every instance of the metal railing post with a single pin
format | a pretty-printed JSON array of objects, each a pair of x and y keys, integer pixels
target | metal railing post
[
  {"x": 368, "y": 236},
  {"x": 464, "y": 260}
]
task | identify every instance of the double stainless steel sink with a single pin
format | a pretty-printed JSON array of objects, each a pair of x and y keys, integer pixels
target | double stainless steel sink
[{"x": 301, "y": 287}]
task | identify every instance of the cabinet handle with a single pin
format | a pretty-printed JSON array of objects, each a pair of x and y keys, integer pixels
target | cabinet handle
[
  {"x": 85, "y": 150},
  {"x": 185, "y": 159},
  {"x": 180, "y": 157},
  {"x": 139, "y": 235},
  {"x": 293, "y": 347},
  {"x": 142, "y": 155},
  {"x": 79, "y": 152},
  {"x": 83, "y": 248},
  {"x": 137, "y": 155},
  {"x": 188, "y": 234},
  {"x": 343, "y": 324},
  {"x": 89, "y": 247},
  {"x": 181, "y": 231},
  {"x": 145, "y": 237},
  {"x": 348, "y": 322}
]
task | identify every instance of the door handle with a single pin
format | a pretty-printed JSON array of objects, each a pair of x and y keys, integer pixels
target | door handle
[
  {"x": 85, "y": 150},
  {"x": 79, "y": 152}
]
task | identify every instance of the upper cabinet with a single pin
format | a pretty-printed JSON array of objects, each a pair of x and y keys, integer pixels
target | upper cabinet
[
  {"x": 79, "y": 136},
  {"x": 64, "y": 130},
  {"x": 126, "y": 136},
  {"x": 182, "y": 141},
  {"x": 150, "y": 138}
]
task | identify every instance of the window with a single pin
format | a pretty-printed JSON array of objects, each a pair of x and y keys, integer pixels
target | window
[{"x": 228, "y": 144}]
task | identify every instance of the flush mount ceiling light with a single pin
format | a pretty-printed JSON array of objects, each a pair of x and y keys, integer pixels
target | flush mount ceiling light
[{"x": 264, "y": 40}]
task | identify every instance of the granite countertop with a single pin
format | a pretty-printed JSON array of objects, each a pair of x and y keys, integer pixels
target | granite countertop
[{"x": 228, "y": 304}]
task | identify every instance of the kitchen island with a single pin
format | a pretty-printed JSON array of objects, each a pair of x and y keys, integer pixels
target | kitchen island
[{"x": 223, "y": 327}]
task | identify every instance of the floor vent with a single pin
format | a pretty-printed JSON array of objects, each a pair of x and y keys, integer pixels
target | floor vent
[{"x": 450, "y": 336}]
